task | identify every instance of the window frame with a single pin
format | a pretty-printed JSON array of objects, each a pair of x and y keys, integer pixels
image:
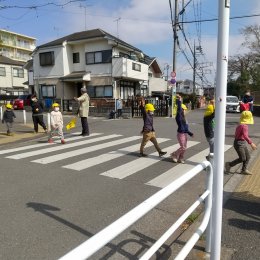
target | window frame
[
  {"x": 46, "y": 60},
  {"x": 76, "y": 57},
  {"x": 92, "y": 57},
  {"x": 43, "y": 93},
  {"x": 136, "y": 66},
  {"x": 20, "y": 72},
  {"x": 2, "y": 72}
]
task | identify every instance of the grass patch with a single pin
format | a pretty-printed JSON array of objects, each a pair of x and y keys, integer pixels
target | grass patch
[{"x": 189, "y": 220}]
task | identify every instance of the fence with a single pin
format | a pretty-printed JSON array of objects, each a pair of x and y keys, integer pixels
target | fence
[{"x": 92, "y": 245}]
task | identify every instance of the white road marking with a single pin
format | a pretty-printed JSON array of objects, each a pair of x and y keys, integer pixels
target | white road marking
[
  {"x": 174, "y": 173},
  {"x": 87, "y": 163},
  {"x": 62, "y": 156},
  {"x": 61, "y": 147},
  {"x": 139, "y": 164}
]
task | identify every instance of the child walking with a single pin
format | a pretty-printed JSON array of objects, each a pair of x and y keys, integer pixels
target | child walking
[
  {"x": 240, "y": 143},
  {"x": 208, "y": 123},
  {"x": 182, "y": 131},
  {"x": 148, "y": 129},
  {"x": 56, "y": 124},
  {"x": 8, "y": 119}
]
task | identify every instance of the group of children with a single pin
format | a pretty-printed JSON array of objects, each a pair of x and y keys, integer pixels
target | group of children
[
  {"x": 240, "y": 141},
  {"x": 37, "y": 115}
]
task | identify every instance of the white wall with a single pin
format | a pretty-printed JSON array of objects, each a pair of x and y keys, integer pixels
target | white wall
[{"x": 157, "y": 84}]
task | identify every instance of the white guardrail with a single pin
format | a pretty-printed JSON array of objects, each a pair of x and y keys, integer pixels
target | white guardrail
[{"x": 93, "y": 244}]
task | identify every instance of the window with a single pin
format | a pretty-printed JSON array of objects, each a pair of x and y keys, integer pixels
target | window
[
  {"x": 2, "y": 71},
  {"x": 136, "y": 66},
  {"x": 76, "y": 57},
  {"x": 18, "y": 72},
  {"x": 98, "y": 57},
  {"x": 47, "y": 58},
  {"x": 48, "y": 91}
]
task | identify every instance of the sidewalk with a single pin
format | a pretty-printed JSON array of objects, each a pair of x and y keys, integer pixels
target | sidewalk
[
  {"x": 21, "y": 132},
  {"x": 240, "y": 220}
]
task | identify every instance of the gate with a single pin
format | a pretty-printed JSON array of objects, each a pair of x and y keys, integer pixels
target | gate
[{"x": 161, "y": 107}]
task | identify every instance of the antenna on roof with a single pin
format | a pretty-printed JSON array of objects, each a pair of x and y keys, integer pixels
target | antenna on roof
[{"x": 117, "y": 21}]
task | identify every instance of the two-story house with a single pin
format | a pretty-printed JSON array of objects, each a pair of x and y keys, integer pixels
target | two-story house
[
  {"x": 107, "y": 66},
  {"x": 186, "y": 87},
  {"x": 12, "y": 77}
]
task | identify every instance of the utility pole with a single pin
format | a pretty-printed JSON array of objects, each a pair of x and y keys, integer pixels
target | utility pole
[
  {"x": 194, "y": 68},
  {"x": 175, "y": 37}
]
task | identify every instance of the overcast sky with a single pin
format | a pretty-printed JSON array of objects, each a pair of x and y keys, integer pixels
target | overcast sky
[{"x": 143, "y": 23}]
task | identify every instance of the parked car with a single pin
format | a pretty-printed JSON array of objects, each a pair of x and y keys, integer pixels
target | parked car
[
  {"x": 232, "y": 104},
  {"x": 22, "y": 101}
]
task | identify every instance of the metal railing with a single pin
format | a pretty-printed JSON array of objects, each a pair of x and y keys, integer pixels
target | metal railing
[{"x": 93, "y": 244}]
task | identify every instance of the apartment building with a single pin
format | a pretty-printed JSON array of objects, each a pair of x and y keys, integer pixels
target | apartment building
[{"x": 16, "y": 46}]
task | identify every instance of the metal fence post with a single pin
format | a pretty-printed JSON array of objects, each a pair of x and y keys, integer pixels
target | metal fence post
[
  {"x": 49, "y": 121},
  {"x": 24, "y": 117},
  {"x": 209, "y": 227}
]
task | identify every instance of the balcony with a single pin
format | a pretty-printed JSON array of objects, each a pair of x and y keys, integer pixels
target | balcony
[{"x": 129, "y": 69}]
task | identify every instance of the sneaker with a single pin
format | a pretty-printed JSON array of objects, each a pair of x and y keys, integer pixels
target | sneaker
[
  {"x": 174, "y": 158},
  {"x": 46, "y": 131},
  {"x": 246, "y": 172},
  {"x": 62, "y": 141},
  {"x": 143, "y": 155},
  {"x": 50, "y": 141},
  {"x": 161, "y": 153},
  {"x": 227, "y": 167},
  {"x": 181, "y": 161}
]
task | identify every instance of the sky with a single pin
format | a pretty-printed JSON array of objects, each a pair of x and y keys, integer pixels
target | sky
[{"x": 146, "y": 24}]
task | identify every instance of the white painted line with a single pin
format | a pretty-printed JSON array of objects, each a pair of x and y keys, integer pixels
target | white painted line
[
  {"x": 139, "y": 164},
  {"x": 87, "y": 163},
  {"x": 61, "y": 147},
  {"x": 62, "y": 156},
  {"x": 174, "y": 173},
  {"x": 28, "y": 147}
]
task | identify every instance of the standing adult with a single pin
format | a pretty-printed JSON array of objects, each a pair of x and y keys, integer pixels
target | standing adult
[
  {"x": 119, "y": 106},
  {"x": 83, "y": 110},
  {"x": 37, "y": 114}
]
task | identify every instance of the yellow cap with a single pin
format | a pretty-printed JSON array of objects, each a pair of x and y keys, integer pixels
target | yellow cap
[
  {"x": 149, "y": 107},
  {"x": 246, "y": 118},
  {"x": 55, "y": 105},
  {"x": 183, "y": 107},
  {"x": 209, "y": 110},
  {"x": 9, "y": 106}
]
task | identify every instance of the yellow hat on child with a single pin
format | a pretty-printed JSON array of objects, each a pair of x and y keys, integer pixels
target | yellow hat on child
[
  {"x": 149, "y": 107},
  {"x": 55, "y": 105},
  {"x": 9, "y": 106},
  {"x": 209, "y": 110},
  {"x": 246, "y": 118}
]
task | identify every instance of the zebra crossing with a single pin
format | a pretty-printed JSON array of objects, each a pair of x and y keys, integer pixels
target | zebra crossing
[{"x": 77, "y": 146}]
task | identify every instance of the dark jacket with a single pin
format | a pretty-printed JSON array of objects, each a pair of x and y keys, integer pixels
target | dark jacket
[
  {"x": 148, "y": 120},
  {"x": 8, "y": 116},
  {"x": 208, "y": 122},
  {"x": 181, "y": 121},
  {"x": 37, "y": 108}
]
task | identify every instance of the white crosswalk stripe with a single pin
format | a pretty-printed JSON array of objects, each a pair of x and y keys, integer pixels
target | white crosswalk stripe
[
  {"x": 61, "y": 147},
  {"x": 174, "y": 173},
  {"x": 139, "y": 164},
  {"x": 28, "y": 147},
  {"x": 58, "y": 157},
  {"x": 133, "y": 166},
  {"x": 87, "y": 163}
]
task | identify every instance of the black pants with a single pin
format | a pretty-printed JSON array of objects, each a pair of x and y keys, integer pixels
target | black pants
[
  {"x": 38, "y": 120},
  {"x": 243, "y": 154},
  {"x": 85, "y": 128},
  {"x": 119, "y": 112}
]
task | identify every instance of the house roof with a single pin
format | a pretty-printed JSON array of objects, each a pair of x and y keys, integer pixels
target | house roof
[
  {"x": 84, "y": 35},
  {"x": 74, "y": 75},
  {"x": 8, "y": 61}
]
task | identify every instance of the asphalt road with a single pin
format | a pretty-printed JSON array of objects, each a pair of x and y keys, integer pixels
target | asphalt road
[{"x": 48, "y": 207}]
